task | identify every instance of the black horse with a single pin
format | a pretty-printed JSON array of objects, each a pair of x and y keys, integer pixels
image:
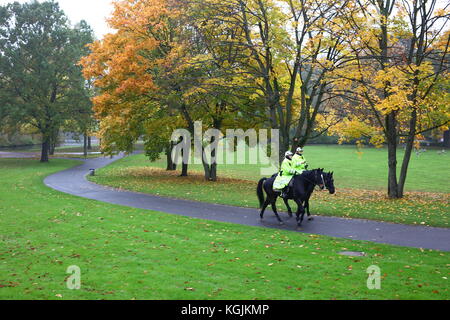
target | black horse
[{"x": 302, "y": 187}]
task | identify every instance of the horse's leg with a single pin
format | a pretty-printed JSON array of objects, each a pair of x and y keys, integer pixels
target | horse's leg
[
  {"x": 300, "y": 212},
  {"x": 263, "y": 209},
  {"x": 274, "y": 209},
  {"x": 307, "y": 210},
  {"x": 286, "y": 202}
]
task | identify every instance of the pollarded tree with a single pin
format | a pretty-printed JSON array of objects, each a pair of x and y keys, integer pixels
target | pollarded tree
[{"x": 41, "y": 81}]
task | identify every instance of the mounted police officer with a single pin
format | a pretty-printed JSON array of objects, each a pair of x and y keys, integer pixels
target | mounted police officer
[
  {"x": 285, "y": 176},
  {"x": 299, "y": 162},
  {"x": 291, "y": 165}
]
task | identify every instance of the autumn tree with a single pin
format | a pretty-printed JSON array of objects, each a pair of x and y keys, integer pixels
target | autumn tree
[
  {"x": 123, "y": 66},
  {"x": 216, "y": 91},
  {"x": 285, "y": 50},
  {"x": 397, "y": 78},
  {"x": 151, "y": 79}
]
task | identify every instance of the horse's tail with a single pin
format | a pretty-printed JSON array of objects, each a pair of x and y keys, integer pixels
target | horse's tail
[{"x": 260, "y": 192}]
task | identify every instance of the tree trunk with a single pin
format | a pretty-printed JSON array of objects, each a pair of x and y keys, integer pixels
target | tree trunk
[
  {"x": 45, "y": 148},
  {"x": 184, "y": 170},
  {"x": 404, "y": 170},
  {"x": 211, "y": 169},
  {"x": 53, "y": 141},
  {"x": 446, "y": 143},
  {"x": 392, "y": 155},
  {"x": 392, "y": 171},
  {"x": 284, "y": 147},
  {"x": 85, "y": 152},
  {"x": 408, "y": 152},
  {"x": 52, "y": 147},
  {"x": 390, "y": 119},
  {"x": 184, "y": 165},
  {"x": 213, "y": 172},
  {"x": 171, "y": 166},
  {"x": 206, "y": 168},
  {"x": 298, "y": 142},
  {"x": 89, "y": 146}
]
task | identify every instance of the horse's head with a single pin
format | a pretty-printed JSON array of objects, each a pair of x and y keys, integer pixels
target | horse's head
[
  {"x": 329, "y": 182},
  {"x": 325, "y": 180},
  {"x": 318, "y": 178}
]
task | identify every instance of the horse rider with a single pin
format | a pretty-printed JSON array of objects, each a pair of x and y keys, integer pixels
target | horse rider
[
  {"x": 299, "y": 162},
  {"x": 285, "y": 176}
]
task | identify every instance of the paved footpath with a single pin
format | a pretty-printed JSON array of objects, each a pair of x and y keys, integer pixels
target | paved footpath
[
  {"x": 6, "y": 155},
  {"x": 73, "y": 181}
]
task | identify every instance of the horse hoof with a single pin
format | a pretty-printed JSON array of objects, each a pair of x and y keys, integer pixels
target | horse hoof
[{"x": 310, "y": 219}]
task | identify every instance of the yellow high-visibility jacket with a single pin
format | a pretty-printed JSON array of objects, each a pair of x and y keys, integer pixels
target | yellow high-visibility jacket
[
  {"x": 285, "y": 176},
  {"x": 299, "y": 163}
]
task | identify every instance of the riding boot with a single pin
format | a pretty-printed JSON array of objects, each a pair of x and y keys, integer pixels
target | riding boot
[{"x": 285, "y": 193}]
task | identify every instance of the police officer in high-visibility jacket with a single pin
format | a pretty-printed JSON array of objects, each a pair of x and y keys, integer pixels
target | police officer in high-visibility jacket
[
  {"x": 285, "y": 176},
  {"x": 299, "y": 162}
]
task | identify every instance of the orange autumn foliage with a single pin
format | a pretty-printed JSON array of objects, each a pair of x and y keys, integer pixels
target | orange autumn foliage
[{"x": 123, "y": 65}]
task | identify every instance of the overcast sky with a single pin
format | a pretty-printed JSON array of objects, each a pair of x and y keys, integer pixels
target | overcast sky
[{"x": 93, "y": 11}]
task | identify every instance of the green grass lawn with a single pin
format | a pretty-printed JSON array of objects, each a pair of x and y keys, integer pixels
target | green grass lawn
[
  {"x": 127, "y": 253},
  {"x": 359, "y": 178},
  {"x": 428, "y": 172}
]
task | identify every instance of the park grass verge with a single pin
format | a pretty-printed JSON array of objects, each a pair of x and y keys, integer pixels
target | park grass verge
[
  {"x": 127, "y": 253},
  {"x": 416, "y": 208}
]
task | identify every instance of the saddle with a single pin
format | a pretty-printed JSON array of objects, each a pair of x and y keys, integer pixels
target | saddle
[{"x": 291, "y": 183}]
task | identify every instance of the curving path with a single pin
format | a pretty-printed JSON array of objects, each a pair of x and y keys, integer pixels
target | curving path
[
  {"x": 73, "y": 181},
  {"x": 21, "y": 155}
]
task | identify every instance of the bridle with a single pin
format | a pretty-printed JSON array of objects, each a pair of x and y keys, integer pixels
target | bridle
[{"x": 322, "y": 186}]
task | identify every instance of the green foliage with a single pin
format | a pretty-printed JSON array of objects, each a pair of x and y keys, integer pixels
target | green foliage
[
  {"x": 17, "y": 139},
  {"x": 154, "y": 145},
  {"x": 42, "y": 84}
]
